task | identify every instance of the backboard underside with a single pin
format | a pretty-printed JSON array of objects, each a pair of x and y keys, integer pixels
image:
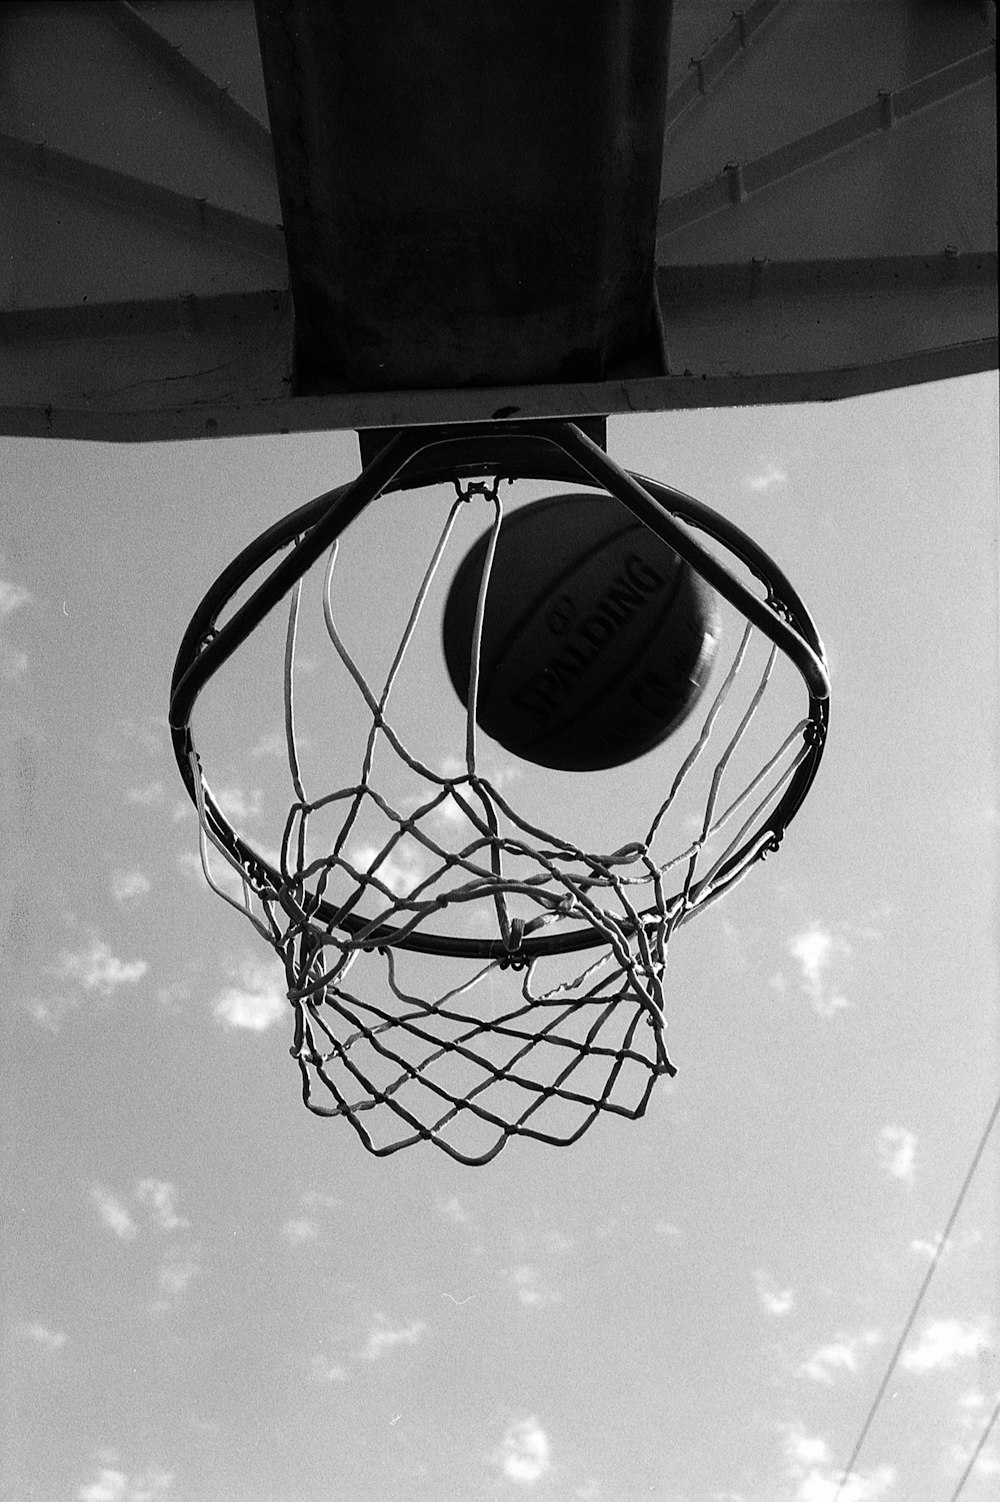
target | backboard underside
[{"x": 215, "y": 225}]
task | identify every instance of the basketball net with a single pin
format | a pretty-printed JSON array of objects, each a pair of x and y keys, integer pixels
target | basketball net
[{"x": 516, "y": 985}]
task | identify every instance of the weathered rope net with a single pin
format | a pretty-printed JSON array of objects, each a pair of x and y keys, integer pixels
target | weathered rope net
[{"x": 539, "y": 1002}]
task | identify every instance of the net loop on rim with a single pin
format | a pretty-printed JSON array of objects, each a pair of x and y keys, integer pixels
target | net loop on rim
[{"x": 515, "y": 1030}]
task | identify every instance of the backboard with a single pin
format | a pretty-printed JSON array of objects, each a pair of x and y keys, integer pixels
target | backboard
[{"x": 222, "y": 219}]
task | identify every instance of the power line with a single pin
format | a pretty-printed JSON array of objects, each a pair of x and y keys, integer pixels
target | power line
[
  {"x": 942, "y": 1243},
  {"x": 975, "y": 1454}
]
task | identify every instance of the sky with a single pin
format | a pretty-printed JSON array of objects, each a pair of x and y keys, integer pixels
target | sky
[{"x": 210, "y": 1293}]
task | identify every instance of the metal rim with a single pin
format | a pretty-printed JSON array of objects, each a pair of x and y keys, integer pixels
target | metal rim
[{"x": 555, "y": 451}]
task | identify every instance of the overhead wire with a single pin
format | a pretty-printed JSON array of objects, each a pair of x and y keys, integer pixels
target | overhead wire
[
  {"x": 975, "y": 1454},
  {"x": 942, "y": 1243}
]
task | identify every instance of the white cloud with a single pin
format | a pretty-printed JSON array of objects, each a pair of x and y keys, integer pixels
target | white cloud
[
  {"x": 776, "y": 1301},
  {"x": 930, "y": 1249},
  {"x": 174, "y": 995},
  {"x": 238, "y": 803},
  {"x": 527, "y": 1283},
  {"x": 112, "y": 1485},
  {"x": 158, "y": 1198},
  {"x": 453, "y": 1210},
  {"x": 818, "y": 1486},
  {"x": 13, "y": 665},
  {"x": 383, "y": 1338},
  {"x": 401, "y": 871},
  {"x": 317, "y": 1199},
  {"x": 524, "y": 1453},
  {"x": 257, "y": 1001},
  {"x": 450, "y": 811},
  {"x": 843, "y": 1355},
  {"x": 114, "y": 1214},
  {"x": 97, "y": 969},
  {"x": 816, "y": 951},
  {"x": 272, "y": 744},
  {"x": 972, "y": 1417},
  {"x": 818, "y": 1480},
  {"x": 152, "y": 793},
  {"x": 52, "y": 1340},
  {"x": 127, "y": 885},
  {"x": 299, "y": 1230},
  {"x": 806, "y": 1449},
  {"x": 12, "y": 597},
  {"x": 175, "y": 1275},
  {"x": 322, "y": 1369},
  {"x": 667, "y": 1230},
  {"x": 767, "y": 478},
  {"x": 942, "y": 1343},
  {"x": 897, "y": 1148}
]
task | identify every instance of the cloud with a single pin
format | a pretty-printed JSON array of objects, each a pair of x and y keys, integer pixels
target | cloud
[
  {"x": 804, "y": 1449},
  {"x": 453, "y": 1210},
  {"x": 896, "y": 1148},
  {"x": 972, "y": 1417},
  {"x": 817, "y": 1480},
  {"x": 842, "y": 1355},
  {"x": 450, "y": 811},
  {"x": 257, "y": 1001},
  {"x": 91, "y": 969},
  {"x": 767, "y": 478},
  {"x": 52, "y": 1340},
  {"x": 382, "y": 1338},
  {"x": 152, "y": 793},
  {"x": 943, "y": 1343},
  {"x": 238, "y": 804},
  {"x": 776, "y": 1301},
  {"x": 97, "y": 969},
  {"x": 174, "y": 1276},
  {"x": 176, "y": 1273},
  {"x": 815, "y": 950},
  {"x": 158, "y": 1198},
  {"x": 12, "y": 597},
  {"x": 527, "y": 1283},
  {"x": 127, "y": 885},
  {"x": 299, "y": 1230},
  {"x": 524, "y": 1452},
  {"x": 179, "y": 1267},
  {"x": 272, "y": 744},
  {"x": 112, "y": 1485},
  {"x": 401, "y": 871},
  {"x": 322, "y": 1369},
  {"x": 114, "y": 1214},
  {"x": 930, "y": 1249},
  {"x": 318, "y": 1199},
  {"x": 13, "y": 664}
]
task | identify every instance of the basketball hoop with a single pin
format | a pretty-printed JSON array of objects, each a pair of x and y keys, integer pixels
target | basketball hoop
[{"x": 579, "y": 936}]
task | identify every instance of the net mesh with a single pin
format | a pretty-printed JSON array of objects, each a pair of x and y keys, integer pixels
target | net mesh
[{"x": 548, "y": 1010}]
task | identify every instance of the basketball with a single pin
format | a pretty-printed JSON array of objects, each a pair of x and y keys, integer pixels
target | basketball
[{"x": 597, "y": 638}]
